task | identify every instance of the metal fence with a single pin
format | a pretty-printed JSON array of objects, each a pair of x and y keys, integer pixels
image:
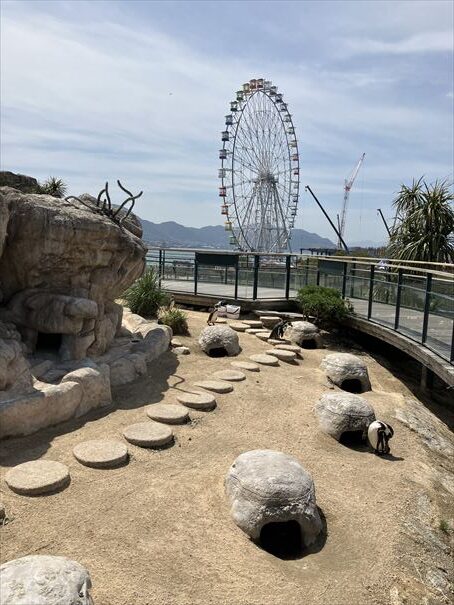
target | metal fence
[{"x": 414, "y": 299}]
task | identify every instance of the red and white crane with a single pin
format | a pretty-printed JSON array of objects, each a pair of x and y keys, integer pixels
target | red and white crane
[{"x": 347, "y": 188}]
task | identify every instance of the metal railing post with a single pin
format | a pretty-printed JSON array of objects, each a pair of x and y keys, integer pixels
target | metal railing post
[
  {"x": 160, "y": 267},
  {"x": 287, "y": 276},
  {"x": 371, "y": 291},
  {"x": 256, "y": 276},
  {"x": 400, "y": 275},
  {"x": 237, "y": 270},
  {"x": 164, "y": 264},
  {"x": 425, "y": 322},
  {"x": 196, "y": 274},
  {"x": 452, "y": 344},
  {"x": 352, "y": 280},
  {"x": 344, "y": 280}
]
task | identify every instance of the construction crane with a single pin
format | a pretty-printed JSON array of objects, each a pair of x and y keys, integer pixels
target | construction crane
[{"x": 347, "y": 188}]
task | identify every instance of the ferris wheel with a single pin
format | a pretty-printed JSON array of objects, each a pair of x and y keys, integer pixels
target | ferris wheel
[{"x": 259, "y": 169}]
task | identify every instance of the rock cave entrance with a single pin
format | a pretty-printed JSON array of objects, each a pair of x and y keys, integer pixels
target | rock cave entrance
[
  {"x": 282, "y": 539},
  {"x": 352, "y": 385},
  {"x": 48, "y": 343},
  {"x": 309, "y": 344},
  {"x": 352, "y": 439},
  {"x": 217, "y": 352}
]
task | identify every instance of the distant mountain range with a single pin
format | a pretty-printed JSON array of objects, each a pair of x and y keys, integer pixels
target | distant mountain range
[{"x": 174, "y": 235}]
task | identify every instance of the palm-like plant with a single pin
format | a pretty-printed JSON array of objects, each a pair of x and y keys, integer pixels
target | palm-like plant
[
  {"x": 53, "y": 186},
  {"x": 424, "y": 228}
]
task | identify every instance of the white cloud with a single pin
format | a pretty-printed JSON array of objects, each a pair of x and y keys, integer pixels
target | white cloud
[
  {"x": 90, "y": 100},
  {"x": 428, "y": 42}
]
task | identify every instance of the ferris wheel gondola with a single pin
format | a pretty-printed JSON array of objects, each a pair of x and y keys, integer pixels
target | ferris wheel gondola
[{"x": 259, "y": 169}]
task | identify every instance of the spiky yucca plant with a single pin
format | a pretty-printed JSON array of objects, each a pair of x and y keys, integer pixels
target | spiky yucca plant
[
  {"x": 145, "y": 296},
  {"x": 53, "y": 186}
]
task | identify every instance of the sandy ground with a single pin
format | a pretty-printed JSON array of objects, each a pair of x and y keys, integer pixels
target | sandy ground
[{"x": 158, "y": 530}]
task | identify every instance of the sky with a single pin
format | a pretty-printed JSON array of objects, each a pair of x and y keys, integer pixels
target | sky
[{"x": 101, "y": 90}]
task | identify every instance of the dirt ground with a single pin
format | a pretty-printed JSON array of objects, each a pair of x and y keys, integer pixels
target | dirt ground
[{"x": 158, "y": 531}]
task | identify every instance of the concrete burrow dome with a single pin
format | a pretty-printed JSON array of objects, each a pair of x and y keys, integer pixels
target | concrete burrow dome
[
  {"x": 219, "y": 341},
  {"x": 267, "y": 487},
  {"x": 44, "y": 580},
  {"x": 340, "y": 413},
  {"x": 347, "y": 371},
  {"x": 304, "y": 334}
]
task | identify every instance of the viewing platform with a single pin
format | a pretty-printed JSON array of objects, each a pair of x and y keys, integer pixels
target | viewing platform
[{"x": 409, "y": 305}]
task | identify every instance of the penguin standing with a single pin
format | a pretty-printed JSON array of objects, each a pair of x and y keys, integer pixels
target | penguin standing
[{"x": 379, "y": 433}]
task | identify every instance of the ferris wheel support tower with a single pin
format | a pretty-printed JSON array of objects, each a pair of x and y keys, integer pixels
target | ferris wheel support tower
[{"x": 347, "y": 188}]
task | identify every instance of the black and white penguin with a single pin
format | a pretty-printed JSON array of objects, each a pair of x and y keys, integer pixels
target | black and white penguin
[{"x": 379, "y": 433}]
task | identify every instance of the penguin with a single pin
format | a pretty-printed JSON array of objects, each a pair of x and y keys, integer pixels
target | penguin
[{"x": 379, "y": 433}]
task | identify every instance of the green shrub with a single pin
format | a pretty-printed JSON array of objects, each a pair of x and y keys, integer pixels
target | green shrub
[
  {"x": 324, "y": 304},
  {"x": 175, "y": 318},
  {"x": 145, "y": 296}
]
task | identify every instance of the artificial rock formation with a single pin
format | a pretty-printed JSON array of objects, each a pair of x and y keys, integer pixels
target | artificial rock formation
[
  {"x": 347, "y": 371},
  {"x": 219, "y": 340},
  {"x": 44, "y": 580},
  {"x": 340, "y": 413},
  {"x": 304, "y": 334},
  {"x": 265, "y": 487},
  {"x": 64, "y": 340},
  {"x": 61, "y": 268}
]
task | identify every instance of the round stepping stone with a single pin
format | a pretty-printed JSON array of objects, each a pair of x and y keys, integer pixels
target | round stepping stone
[
  {"x": 197, "y": 401},
  {"x": 181, "y": 351},
  {"x": 169, "y": 413},
  {"x": 269, "y": 321},
  {"x": 252, "y": 330},
  {"x": 246, "y": 365},
  {"x": 37, "y": 477},
  {"x": 148, "y": 434},
  {"x": 230, "y": 375},
  {"x": 217, "y": 386},
  {"x": 101, "y": 453},
  {"x": 253, "y": 323},
  {"x": 221, "y": 320},
  {"x": 176, "y": 343},
  {"x": 275, "y": 341},
  {"x": 265, "y": 360},
  {"x": 238, "y": 327},
  {"x": 263, "y": 335},
  {"x": 293, "y": 348},
  {"x": 283, "y": 355}
]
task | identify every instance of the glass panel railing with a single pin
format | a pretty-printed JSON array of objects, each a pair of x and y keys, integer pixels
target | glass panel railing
[{"x": 440, "y": 324}]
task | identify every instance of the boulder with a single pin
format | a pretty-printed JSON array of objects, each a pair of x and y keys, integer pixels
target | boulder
[
  {"x": 219, "y": 340},
  {"x": 304, "y": 334},
  {"x": 265, "y": 487},
  {"x": 22, "y": 182},
  {"x": 95, "y": 385},
  {"x": 44, "y": 580},
  {"x": 15, "y": 374},
  {"x": 61, "y": 268},
  {"x": 340, "y": 413},
  {"x": 347, "y": 371}
]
